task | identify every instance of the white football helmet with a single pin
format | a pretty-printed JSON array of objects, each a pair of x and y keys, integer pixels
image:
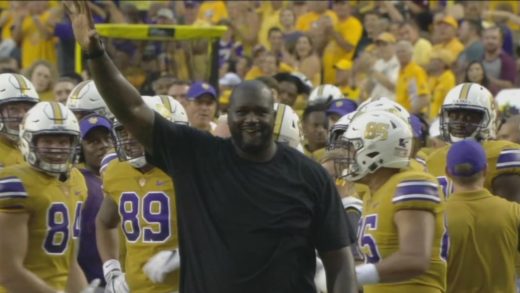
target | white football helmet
[
  {"x": 127, "y": 147},
  {"x": 338, "y": 130},
  {"x": 373, "y": 140},
  {"x": 384, "y": 104},
  {"x": 14, "y": 88},
  {"x": 287, "y": 127},
  {"x": 324, "y": 94},
  {"x": 84, "y": 99},
  {"x": 49, "y": 118},
  {"x": 470, "y": 98}
]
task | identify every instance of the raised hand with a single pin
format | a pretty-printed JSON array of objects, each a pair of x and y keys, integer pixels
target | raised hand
[{"x": 83, "y": 25}]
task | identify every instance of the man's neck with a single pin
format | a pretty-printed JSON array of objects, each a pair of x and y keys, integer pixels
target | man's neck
[
  {"x": 468, "y": 188},
  {"x": 259, "y": 157},
  {"x": 492, "y": 55},
  {"x": 380, "y": 177}
]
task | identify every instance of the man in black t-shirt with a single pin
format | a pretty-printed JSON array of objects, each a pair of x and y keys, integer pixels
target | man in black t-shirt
[{"x": 251, "y": 212}]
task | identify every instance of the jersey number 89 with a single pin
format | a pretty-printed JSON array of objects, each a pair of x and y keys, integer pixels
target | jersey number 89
[{"x": 153, "y": 209}]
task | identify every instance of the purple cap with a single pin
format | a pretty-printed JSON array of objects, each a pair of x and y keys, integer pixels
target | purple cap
[
  {"x": 341, "y": 107},
  {"x": 466, "y": 152},
  {"x": 92, "y": 121},
  {"x": 417, "y": 126},
  {"x": 198, "y": 89}
]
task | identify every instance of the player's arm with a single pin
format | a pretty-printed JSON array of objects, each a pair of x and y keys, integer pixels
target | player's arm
[
  {"x": 76, "y": 280},
  {"x": 416, "y": 229},
  {"x": 339, "y": 269},
  {"x": 507, "y": 186},
  {"x": 120, "y": 96},
  {"x": 354, "y": 215},
  {"x": 107, "y": 236},
  {"x": 13, "y": 275}
]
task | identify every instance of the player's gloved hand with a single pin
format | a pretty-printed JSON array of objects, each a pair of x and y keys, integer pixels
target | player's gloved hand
[
  {"x": 92, "y": 287},
  {"x": 115, "y": 278},
  {"x": 159, "y": 265}
]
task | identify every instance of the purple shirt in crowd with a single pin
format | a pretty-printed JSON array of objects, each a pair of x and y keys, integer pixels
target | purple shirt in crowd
[{"x": 88, "y": 257}]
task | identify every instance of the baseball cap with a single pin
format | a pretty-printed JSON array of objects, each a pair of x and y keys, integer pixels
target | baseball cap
[
  {"x": 386, "y": 37},
  {"x": 198, "y": 89},
  {"x": 341, "y": 107},
  {"x": 469, "y": 154},
  {"x": 449, "y": 20},
  {"x": 93, "y": 121},
  {"x": 230, "y": 79},
  {"x": 343, "y": 64},
  {"x": 300, "y": 85}
]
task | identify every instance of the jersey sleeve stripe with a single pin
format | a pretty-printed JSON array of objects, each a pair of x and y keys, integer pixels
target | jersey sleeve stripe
[
  {"x": 420, "y": 197},
  {"x": 508, "y": 158},
  {"x": 106, "y": 160},
  {"x": 421, "y": 161},
  {"x": 407, "y": 188},
  {"x": 12, "y": 184}
]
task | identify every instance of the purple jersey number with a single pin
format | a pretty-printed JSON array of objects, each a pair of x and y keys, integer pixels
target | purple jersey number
[
  {"x": 154, "y": 208},
  {"x": 366, "y": 240},
  {"x": 57, "y": 229}
]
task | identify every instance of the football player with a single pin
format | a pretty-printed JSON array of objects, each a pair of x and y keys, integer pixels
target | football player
[
  {"x": 17, "y": 96},
  {"x": 287, "y": 127},
  {"x": 40, "y": 205},
  {"x": 468, "y": 111},
  {"x": 140, "y": 198},
  {"x": 402, "y": 227},
  {"x": 324, "y": 94},
  {"x": 85, "y": 100}
]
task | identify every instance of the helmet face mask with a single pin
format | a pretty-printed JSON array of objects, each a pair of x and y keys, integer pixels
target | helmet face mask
[
  {"x": 346, "y": 165},
  {"x": 11, "y": 115},
  {"x": 56, "y": 160},
  {"x": 461, "y": 123},
  {"x": 127, "y": 147}
]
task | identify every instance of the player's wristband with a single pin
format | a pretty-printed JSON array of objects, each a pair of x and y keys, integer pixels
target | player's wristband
[
  {"x": 367, "y": 274},
  {"x": 100, "y": 52},
  {"x": 110, "y": 267}
]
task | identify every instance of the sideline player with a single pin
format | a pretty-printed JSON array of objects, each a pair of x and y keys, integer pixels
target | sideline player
[
  {"x": 139, "y": 197},
  {"x": 40, "y": 206},
  {"x": 401, "y": 233},
  {"x": 17, "y": 97}
]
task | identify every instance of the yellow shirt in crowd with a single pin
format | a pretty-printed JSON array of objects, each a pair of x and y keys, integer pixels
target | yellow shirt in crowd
[
  {"x": 212, "y": 11},
  {"x": 270, "y": 19},
  {"x": 440, "y": 86},
  {"x": 309, "y": 19},
  {"x": 351, "y": 30},
  {"x": 412, "y": 82},
  {"x": 454, "y": 46},
  {"x": 35, "y": 46}
]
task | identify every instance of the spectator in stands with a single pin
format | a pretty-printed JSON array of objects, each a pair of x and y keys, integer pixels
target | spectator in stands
[
  {"x": 290, "y": 33},
  {"x": 412, "y": 84},
  {"x": 290, "y": 88},
  {"x": 473, "y": 10},
  {"x": 306, "y": 59},
  {"x": 343, "y": 39},
  {"x": 269, "y": 12},
  {"x": 9, "y": 65},
  {"x": 447, "y": 33},
  {"x": 179, "y": 91},
  {"x": 315, "y": 23},
  {"x": 43, "y": 75},
  {"x": 270, "y": 64},
  {"x": 315, "y": 125},
  {"x": 228, "y": 47},
  {"x": 384, "y": 72},
  {"x": 31, "y": 29},
  {"x": 212, "y": 11},
  {"x": 422, "y": 48},
  {"x": 62, "y": 89},
  {"x": 242, "y": 66},
  {"x": 202, "y": 106},
  {"x": 345, "y": 79},
  {"x": 441, "y": 79},
  {"x": 470, "y": 32},
  {"x": 476, "y": 72},
  {"x": 371, "y": 31},
  {"x": 500, "y": 67},
  {"x": 275, "y": 39},
  {"x": 510, "y": 130},
  {"x": 162, "y": 85},
  {"x": 245, "y": 22}
]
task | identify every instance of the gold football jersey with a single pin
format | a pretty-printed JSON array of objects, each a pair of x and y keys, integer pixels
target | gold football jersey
[
  {"x": 54, "y": 208},
  {"x": 9, "y": 155},
  {"x": 483, "y": 246},
  {"x": 502, "y": 157},
  {"x": 378, "y": 238},
  {"x": 146, "y": 203}
]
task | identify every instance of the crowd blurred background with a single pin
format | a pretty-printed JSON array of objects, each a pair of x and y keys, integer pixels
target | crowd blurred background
[{"x": 413, "y": 52}]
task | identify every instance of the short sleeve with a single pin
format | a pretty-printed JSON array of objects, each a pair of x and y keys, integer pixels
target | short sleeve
[
  {"x": 175, "y": 145},
  {"x": 13, "y": 196},
  {"x": 417, "y": 194},
  {"x": 333, "y": 229}
]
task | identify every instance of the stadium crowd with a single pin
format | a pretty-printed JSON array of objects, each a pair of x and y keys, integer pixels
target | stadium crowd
[{"x": 411, "y": 107}]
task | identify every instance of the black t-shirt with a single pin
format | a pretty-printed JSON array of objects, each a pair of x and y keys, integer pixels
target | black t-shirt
[{"x": 246, "y": 226}]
